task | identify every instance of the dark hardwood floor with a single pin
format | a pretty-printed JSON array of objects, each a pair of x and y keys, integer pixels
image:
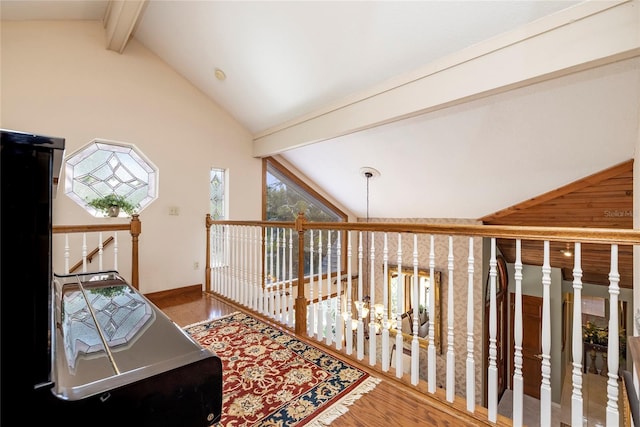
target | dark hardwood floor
[{"x": 389, "y": 404}]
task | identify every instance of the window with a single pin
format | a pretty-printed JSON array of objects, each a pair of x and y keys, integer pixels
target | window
[
  {"x": 286, "y": 196},
  {"x": 101, "y": 168},
  {"x": 217, "y": 210},
  {"x": 217, "y": 194}
]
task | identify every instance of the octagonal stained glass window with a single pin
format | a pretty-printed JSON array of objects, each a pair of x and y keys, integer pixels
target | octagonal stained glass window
[{"x": 102, "y": 168}]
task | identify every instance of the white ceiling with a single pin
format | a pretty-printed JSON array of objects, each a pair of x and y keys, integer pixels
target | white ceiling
[{"x": 288, "y": 59}]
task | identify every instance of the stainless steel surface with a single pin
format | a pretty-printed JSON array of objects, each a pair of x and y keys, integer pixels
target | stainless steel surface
[{"x": 108, "y": 335}]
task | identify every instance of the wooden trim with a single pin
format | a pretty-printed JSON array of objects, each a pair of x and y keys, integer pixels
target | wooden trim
[
  {"x": 558, "y": 192},
  {"x": 136, "y": 229},
  {"x": 175, "y": 291},
  {"x": 553, "y": 234},
  {"x": 89, "y": 228},
  {"x": 207, "y": 269}
]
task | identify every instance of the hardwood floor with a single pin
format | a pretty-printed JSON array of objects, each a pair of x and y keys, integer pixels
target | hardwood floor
[{"x": 389, "y": 404}]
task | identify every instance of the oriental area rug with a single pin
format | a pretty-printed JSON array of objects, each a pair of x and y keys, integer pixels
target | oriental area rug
[{"x": 270, "y": 378}]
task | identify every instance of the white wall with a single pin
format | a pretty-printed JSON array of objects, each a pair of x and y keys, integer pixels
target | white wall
[{"x": 58, "y": 79}]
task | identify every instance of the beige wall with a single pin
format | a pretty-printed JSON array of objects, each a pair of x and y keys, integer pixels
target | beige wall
[{"x": 58, "y": 79}]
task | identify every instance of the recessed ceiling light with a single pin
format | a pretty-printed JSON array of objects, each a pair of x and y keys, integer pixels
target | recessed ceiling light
[{"x": 220, "y": 75}]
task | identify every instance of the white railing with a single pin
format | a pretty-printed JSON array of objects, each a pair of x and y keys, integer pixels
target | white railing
[{"x": 353, "y": 311}]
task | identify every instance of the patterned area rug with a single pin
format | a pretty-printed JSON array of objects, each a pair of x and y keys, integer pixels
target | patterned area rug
[{"x": 270, "y": 378}]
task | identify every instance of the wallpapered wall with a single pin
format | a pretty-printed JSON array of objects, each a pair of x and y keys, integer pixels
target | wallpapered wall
[{"x": 460, "y": 281}]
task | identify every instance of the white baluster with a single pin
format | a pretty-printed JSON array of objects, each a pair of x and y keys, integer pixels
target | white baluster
[
  {"x": 492, "y": 371},
  {"x": 283, "y": 281},
  {"x": 328, "y": 321},
  {"x": 339, "y": 319},
  {"x": 100, "y": 251},
  {"x": 213, "y": 245},
  {"x": 613, "y": 416},
  {"x": 274, "y": 279},
  {"x": 451, "y": 357},
  {"x": 115, "y": 250},
  {"x": 242, "y": 262},
  {"x": 257, "y": 267},
  {"x": 399, "y": 300},
  {"x": 239, "y": 264},
  {"x": 231, "y": 268},
  {"x": 235, "y": 262},
  {"x": 84, "y": 252},
  {"x": 290, "y": 315},
  {"x": 415, "y": 346},
  {"x": 246, "y": 285},
  {"x": 577, "y": 404},
  {"x": 349, "y": 316},
  {"x": 471, "y": 364},
  {"x": 545, "y": 386},
  {"x": 320, "y": 325},
  {"x": 518, "y": 380},
  {"x": 385, "y": 303},
  {"x": 360, "y": 338},
  {"x": 277, "y": 290},
  {"x": 431, "y": 350},
  {"x": 249, "y": 263},
  {"x": 372, "y": 298},
  {"x": 66, "y": 254}
]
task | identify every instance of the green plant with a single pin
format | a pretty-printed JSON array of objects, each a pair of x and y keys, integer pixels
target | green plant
[{"x": 104, "y": 203}]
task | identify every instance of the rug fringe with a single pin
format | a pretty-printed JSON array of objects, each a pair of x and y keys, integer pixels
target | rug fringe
[
  {"x": 210, "y": 320},
  {"x": 342, "y": 407}
]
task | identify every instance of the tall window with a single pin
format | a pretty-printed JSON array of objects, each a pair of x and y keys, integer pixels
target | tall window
[
  {"x": 103, "y": 168},
  {"x": 285, "y": 196},
  {"x": 217, "y": 194},
  {"x": 218, "y": 211}
]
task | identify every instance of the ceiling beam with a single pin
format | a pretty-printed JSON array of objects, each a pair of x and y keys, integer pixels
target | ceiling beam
[
  {"x": 120, "y": 20},
  {"x": 585, "y": 36}
]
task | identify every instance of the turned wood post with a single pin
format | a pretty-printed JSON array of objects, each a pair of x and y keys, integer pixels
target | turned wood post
[
  {"x": 136, "y": 229},
  {"x": 301, "y": 300},
  {"x": 207, "y": 269}
]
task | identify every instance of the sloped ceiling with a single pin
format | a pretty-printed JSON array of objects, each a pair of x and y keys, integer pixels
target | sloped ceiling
[
  {"x": 464, "y": 107},
  {"x": 604, "y": 199}
]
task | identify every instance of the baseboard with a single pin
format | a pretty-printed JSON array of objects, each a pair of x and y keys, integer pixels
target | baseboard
[{"x": 175, "y": 291}]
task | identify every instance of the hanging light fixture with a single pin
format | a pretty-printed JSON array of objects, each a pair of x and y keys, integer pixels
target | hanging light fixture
[{"x": 368, "y": 173}]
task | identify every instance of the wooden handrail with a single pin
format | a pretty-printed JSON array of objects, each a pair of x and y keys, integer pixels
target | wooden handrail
[
  {"x": 553, "y": 234},
  {"x": 524, "y": 233},
  {"x": 134, "y": 227}
]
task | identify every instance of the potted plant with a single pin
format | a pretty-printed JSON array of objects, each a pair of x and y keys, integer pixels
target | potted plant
[{"x": 111, "y": 204}]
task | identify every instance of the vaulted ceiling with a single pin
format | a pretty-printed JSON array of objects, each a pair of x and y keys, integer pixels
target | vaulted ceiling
[{"x": 464, "y": 108}]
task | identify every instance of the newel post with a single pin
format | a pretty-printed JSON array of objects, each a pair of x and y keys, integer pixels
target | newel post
[
  {"x": 301, "y": 300},
  {"x": 136, "y": 229},
  {"x": 207, "y": 269}
]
